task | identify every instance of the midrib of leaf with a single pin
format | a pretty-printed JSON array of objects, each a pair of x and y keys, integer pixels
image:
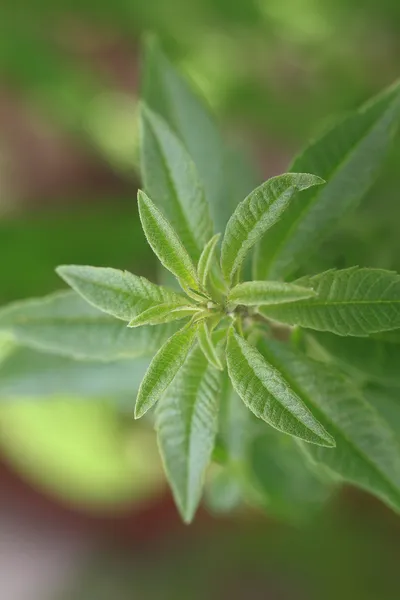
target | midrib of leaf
[
  {"x": 346, "y": 158},
  {"x": 285, "y": 408},
  {"x": 320, "y": 415},
  {"x": 189, "y": 237},
  {"x": 189, "y": 428}
]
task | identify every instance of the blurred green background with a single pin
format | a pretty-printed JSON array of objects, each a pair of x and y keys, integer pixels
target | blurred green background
[{"x": 275, "y": 73}]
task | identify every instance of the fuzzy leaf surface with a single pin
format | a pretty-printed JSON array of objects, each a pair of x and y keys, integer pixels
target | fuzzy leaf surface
[
  {"x": 349, "y": 157},
  {"x": 165, "y": 242},
  {"x": 163, "y": 368},
  {"x": 259, "y": 293},
  {"x": 367, "y": 453},
  {"x": 65, "y": 324},
  {"x": 187, "y": 423},
  {"x": 354, "y": 301},
  {"x": 258, "y": 212},
  {"x": 118, "y": 293},
  {"x": 170, "y": 178},
  {"x": 206, "y": 260},
  {"x": 266, "y": 393},
  {"x": 207, "y": 345},
  {"x": 163, "y": 313}
]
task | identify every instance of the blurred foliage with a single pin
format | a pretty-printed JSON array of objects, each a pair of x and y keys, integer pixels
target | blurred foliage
[{"x": 274, "y": 72}]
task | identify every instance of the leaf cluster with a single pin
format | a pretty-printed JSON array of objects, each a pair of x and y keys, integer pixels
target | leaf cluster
[{"x": 224, "y": 336}]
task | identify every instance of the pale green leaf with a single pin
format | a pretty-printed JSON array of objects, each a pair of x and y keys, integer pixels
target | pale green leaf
[
  {"x": 65, "y": 324},
  {"x": 170, "y": 178},
  {"x": 207, "y": 259},
  {"x": 207, "y": 345},
  {"x": 353, "y": 301},
  {"x": 163, "y": 368},
  {"x": 259, "y": 293},
  {"x": 115, "y": 292},
  {"x": 27, "y": 373},
  {"x": 349, "y": 157},
  {"x": 257, "y": 213},
  {"x": 186, "y": 423},
  {"x": 266, "y": 393},
  {"x": 367, "y": 453},
  {"x": 165, "y": 243},
  {"x": 163, "y": 313},
  {"x": 169, "y": 95}
]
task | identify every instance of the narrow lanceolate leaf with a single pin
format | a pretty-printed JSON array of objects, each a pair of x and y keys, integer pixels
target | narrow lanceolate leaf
[
  {"x": 65, "y": 324},
  {"x": 349, "y": 157},
  {"x": 165, "y": 242},
  {"x": 115, "y": 292},
  {"x": 170, "y": 178},
  {"x": 207, "y": 345},
  {"x": 186, "y": 423},
  {"x": 367, "y": 453},
  {"x": 257, "y": 213},
  {"x": 163, "y": 368},
  {"x": 260, "y": 293},
  {"x": 266, "y": 393},
  {"x": 163, "y": 313},
  {"x": 206, "y": 260},
  {"x": 349, "y": 302},
  {"x": 169, "y": 95}
]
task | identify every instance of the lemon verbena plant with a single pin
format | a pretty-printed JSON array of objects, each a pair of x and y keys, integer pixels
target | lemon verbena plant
[{"x": 242, "y": 341}]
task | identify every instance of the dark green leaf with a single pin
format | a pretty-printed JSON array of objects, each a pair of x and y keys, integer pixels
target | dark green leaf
[
  {"x": 349, "y": 157},
  {"x": 349, "y": 302}
]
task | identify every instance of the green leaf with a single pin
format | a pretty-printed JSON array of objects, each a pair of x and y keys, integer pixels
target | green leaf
[
  {"x": 169, "y": 95},
  {"x": 163, "y": 313},
  {"x": 367, "y": 453},
  {"x": 115, "y": 292},
  {"x": 65, "y": 324},
  {"x": 349, "y": 302},
  {"x": 163, "y": 368},
  {"x": 186, "y": 423},
  {"x": 259, "y": 293},
  {"x": 349, "y": 157},
  {"x": 27, "y": 373},
  {"x": 266, "y": 393},
  {"x": 170, "y": 177},
  {"x": 206, "y": 260},
  {"x": 371, "y": 359},
  {"x": 165, "y": 243},
  {"x": 257, "y": 213},
  {"x": 207, "y": 346}
]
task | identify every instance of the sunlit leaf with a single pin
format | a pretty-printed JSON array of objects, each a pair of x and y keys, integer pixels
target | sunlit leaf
[
  {"x": 165, "y": 243},
  {"x": 207, "y": 345},
  {"x": 267, "y": 394},
  {"x": 257, "y": 213},
  {"x": 163, "y": 368},
  {"x": 260, "y": 293},
  {"x": 163, "y": 313},
  {"x": 118, "y": 293}
]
